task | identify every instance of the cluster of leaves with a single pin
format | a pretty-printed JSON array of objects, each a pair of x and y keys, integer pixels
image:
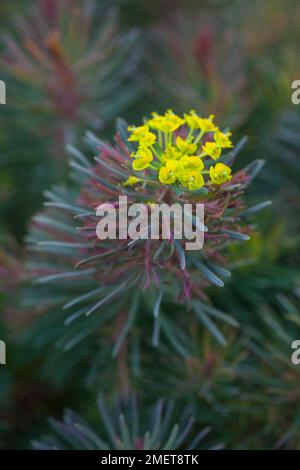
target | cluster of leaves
[
  {"x": 67, "y": 71},
  {"x": 71, "y": 67},
  {"x": 103, "y": 304},
  {"x": 67, "y": 66},
  {"x": 97, "y": 280},
  {"x": 123, "y": 430}
]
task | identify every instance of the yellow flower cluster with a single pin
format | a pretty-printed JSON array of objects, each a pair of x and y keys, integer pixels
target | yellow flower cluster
[{"x": 174, "y": 148}]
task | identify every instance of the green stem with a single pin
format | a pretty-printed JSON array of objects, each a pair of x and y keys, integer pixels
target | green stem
[
  {"x": 160, "y": 139},
  {"x": 168, "y": 138},
  {"x": 199, "y": 137},
  {"x": 156, "y": 153},
  {"x": 153, "y": 167},
  {"x": 190, "y": 133}
]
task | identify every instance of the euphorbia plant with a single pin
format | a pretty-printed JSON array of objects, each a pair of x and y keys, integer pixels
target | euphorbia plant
[{"x": 112, "y": 285}]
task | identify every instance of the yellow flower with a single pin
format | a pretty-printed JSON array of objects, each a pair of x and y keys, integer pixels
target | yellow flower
[
  {"x": 137, "y": 132},
  {"x": 169, "y": 122},
  {"x": 223, "y": 140},
  {"x": 175, "y": 157},
  {"x": 171, "y": 153},
  {"x": 148, "y": 139},
  {"x": 155, "y": 121},
  {"x": 189, "y": 172},
  {"x": 131, "y": 181},
  {"x": 204, "y": 124},
  {"x": 142, "y": 135},
  {"x": 185, "y": 146},
  {"x": 220, "y": 173},
  {"x": 167, "y": 173},
  {"x": 190, "y": 163},
  {"x": 192, "y": 120},
  {"x": 212, "y": 149},
  {"x": 192, "y": 179},
  {"x": 207, "y": 125},
  {"x": 142, "y": 159}
]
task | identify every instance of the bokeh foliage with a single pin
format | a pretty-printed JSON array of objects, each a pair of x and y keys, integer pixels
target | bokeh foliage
[{"x": 236, "y": 59}]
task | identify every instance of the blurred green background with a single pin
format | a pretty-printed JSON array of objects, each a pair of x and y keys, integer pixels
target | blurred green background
[{"x": 75, "y": 65}]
